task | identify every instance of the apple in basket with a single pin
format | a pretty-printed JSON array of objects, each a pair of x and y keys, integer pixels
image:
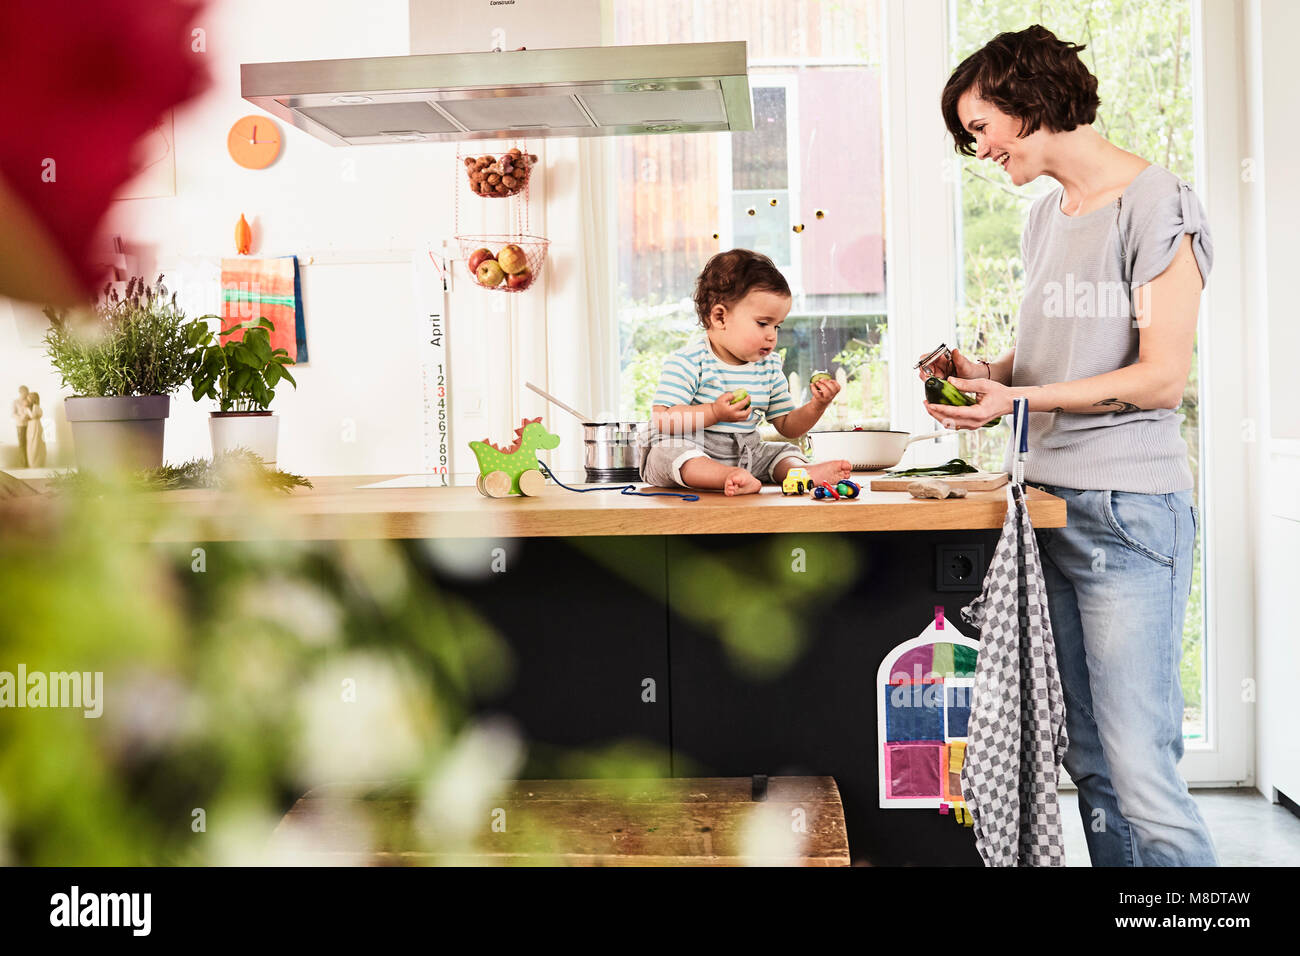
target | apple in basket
[
  {"x": 476, "y": 258},
  {"x": 489, "y": 273},
  {"x": 520, "y": 280},
  {"x": 512, "y": 259}
]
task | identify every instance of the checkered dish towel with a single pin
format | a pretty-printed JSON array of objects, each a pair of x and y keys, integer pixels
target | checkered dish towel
[{"x": 1017, "y": 734}]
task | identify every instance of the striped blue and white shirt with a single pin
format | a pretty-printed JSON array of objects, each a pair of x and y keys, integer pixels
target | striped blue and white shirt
[{"x": 693, "y": 375}]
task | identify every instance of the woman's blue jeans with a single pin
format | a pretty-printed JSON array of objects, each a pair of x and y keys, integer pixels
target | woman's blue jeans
[{"x": 1118, "y": 578}]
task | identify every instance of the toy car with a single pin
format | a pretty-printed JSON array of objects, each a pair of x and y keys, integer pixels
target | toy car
[{"x": 797, "y": 482}]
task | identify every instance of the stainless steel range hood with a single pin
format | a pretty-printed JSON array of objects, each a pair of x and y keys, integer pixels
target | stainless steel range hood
[{"x": 589, "y": 91}]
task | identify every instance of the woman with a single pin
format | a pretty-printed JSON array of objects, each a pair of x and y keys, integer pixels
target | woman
[
  {"x": 35, "y": 432},
  {"x": 1115, "y": 259}
]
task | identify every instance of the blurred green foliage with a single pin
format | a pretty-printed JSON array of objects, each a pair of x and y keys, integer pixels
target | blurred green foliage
[
  {"x": 225, "y": 669},
  {"x": 744, "y": 593}
]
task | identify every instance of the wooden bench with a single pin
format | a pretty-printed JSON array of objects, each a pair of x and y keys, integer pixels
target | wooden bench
[{"x": 688, "y": 821}]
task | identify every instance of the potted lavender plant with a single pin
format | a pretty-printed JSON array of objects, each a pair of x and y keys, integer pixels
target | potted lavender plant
[{"x": 122, "y": 358}]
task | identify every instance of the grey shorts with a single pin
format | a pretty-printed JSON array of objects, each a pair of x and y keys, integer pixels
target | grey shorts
[{"x": 663, "y": 456}]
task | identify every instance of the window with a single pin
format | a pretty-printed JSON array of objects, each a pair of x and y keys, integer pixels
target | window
[
  {"x": 1142, "y": 58},
  {"x": 816, "y": 147}
]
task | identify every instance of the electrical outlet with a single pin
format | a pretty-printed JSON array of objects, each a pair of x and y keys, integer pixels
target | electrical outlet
[{"x": 959, "y": 567}]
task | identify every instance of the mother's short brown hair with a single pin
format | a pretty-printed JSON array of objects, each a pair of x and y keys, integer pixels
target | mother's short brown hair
[{"x": 1030, "y": 75}]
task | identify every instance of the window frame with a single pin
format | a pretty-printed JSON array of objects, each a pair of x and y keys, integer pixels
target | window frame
[{"x": 794, "y": 158}]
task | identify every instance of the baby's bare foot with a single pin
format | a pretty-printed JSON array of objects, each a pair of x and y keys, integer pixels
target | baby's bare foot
[
  {"x": 741, "y": 482},
  {"x": 831, "y": 471}
]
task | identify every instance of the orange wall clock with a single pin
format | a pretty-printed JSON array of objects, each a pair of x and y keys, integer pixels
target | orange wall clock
[{"x": 254, "y": 142}]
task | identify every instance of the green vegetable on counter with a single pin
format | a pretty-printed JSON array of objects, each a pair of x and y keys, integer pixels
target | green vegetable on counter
[
  {"x": 953, "y": 467},
  {"x": 234, "y": 470}
]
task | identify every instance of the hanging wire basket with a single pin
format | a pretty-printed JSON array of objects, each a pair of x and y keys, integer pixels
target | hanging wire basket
[
  {"x": 515, "y": 274},
  {"x": 499, "y": 176},
  {"x": 518, "y": 256}
]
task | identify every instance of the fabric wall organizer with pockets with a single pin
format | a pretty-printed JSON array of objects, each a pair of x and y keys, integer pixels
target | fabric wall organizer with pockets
[{"x": 924, "y": 688}]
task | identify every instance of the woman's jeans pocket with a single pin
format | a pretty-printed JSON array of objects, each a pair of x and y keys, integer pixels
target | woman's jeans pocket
[{"x": 1145, "y": 522}]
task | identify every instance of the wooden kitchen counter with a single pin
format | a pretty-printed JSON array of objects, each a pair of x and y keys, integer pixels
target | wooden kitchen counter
[{"x": 337, "y": 508}]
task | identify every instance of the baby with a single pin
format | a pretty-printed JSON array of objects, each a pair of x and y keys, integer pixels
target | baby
[{"x": 702, "y": 438}]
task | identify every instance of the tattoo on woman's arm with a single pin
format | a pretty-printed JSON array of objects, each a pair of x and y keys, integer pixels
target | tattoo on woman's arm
[{"x": 1114, "y": 404}]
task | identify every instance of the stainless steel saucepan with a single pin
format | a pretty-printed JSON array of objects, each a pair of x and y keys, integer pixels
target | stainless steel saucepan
[{"x": 611, "y": 450}]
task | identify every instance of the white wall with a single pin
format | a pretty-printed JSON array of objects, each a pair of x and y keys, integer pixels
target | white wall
[
  {"x": 1273, "y": 244},
  {"x": 358, "y": 408}
]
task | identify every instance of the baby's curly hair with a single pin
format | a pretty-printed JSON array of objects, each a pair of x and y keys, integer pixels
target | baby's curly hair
[
  {"x": 730, "y": 276},
  {"x": 1030, "y": 75}
]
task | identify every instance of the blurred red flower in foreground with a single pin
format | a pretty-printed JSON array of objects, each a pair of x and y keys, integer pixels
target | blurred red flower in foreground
[{"x": 83, "y": 81}]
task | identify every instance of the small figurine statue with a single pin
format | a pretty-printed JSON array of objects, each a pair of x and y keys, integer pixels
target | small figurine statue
[
  {"x": 35, "y": 432},
  {"x": 21, "y": 415}
]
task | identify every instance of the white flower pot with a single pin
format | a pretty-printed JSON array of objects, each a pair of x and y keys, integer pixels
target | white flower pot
[{"x": 257, "y": 431}]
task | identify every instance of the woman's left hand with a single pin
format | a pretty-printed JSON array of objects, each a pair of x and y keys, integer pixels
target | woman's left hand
[{"x": 992, "y": 398}]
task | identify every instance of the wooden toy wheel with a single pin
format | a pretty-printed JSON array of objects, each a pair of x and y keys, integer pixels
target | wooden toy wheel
[
  {"x": 532, "y": 482},
  {"x": 495, "y": 484}
]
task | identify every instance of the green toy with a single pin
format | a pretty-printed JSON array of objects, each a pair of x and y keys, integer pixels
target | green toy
[{"x": 513, "y": 470}]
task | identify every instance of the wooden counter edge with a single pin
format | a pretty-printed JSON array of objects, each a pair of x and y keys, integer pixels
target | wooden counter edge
[{"x": 337, "y": 509}]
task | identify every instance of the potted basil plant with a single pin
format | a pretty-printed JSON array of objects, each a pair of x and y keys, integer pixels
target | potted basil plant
[
  {"x": 242, "y": 375},
  {"x": 122, "y": 358}
]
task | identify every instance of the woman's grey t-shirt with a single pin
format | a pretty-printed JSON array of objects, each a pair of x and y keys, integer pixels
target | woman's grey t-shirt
[{"x": 1077, "y": 321}]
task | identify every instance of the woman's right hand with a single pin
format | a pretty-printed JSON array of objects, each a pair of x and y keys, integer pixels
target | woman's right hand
[
  {"x": 726, "y": 412},
  {"x": 959, "y": 367}
]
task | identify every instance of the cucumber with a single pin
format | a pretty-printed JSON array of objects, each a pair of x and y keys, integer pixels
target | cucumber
[
  {"x": 944, "y": 392},
  {"x": 939, "y": 391},
  {"x": 934, "y": 391}
]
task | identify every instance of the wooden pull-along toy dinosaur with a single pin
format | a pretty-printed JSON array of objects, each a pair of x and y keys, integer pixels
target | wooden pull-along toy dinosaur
[{"x": 513, "y": 470}]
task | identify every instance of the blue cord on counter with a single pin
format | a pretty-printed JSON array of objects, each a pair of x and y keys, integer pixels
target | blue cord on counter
[{"x": 623, "y": 489}]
